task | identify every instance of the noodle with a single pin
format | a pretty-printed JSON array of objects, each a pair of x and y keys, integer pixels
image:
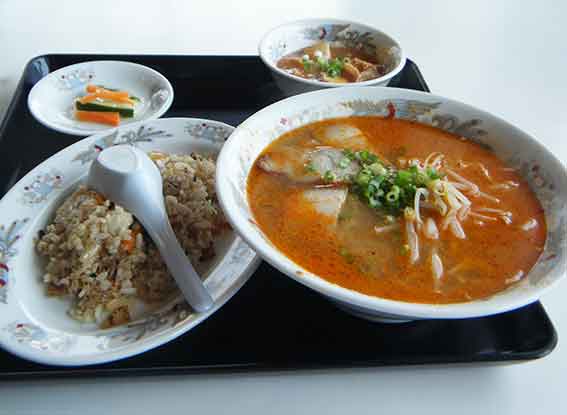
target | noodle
[
  {"x": 493, "y": 210},
  {"x": 430, "y": 229},
  {"x": 529, "y": 225},
  {"x": 386, "y": 228},
  {"x": 413, "y": 241},
  {"x": 514, "y": 278},
  {"x": 440, "y": 204},
  {"x": 484, "y": 171},
  {"x": 416, "y": 200},
  {"x": 459, "y": 186},
  {"x": 483, "y": 217},
  {"x": 463, "y": 213},
  {"x": 509, "y": 185},
  {"x": 436, "y": 266},
  {"x": 489, "y": 197},
  {"x": 447, "y": 220},
  {"x": 472, "y": 187},
  {"x": 457, "y": 229}
]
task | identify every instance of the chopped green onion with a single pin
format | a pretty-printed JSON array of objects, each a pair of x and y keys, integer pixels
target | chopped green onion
[
  {"x": 433, "y": 174},
  {"x": 344, "y": 163},
  {"x": 362, "y": 178},
  {"x": 392, "y": 190},
  {"x": 322, "y": 63},
  {"x": 309, "y": 168},
  {"x": 374, "y": 202},
  {"x": 335, "y": 67},
  {"x": 404, "y": 177},
  {"x": 347, "y": 256},
  {"x": 308, "y": 66},
  {"x": 393, "y": 195},
  {"x": 377, "y": 168},
  {"x": 329, "y": 176},
  {"x": 349, "y": 154}
]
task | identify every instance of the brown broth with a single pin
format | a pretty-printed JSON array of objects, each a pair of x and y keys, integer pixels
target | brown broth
[
  {"x": 291, "y": 63},
  {"x": 476, "y": 267}
]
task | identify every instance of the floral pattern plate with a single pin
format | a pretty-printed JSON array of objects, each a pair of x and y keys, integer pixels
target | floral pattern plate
[
  {"x": 36, "y": 327},
  {"x": 545, "y": 174},
  {"x": 51, "y": 100}
]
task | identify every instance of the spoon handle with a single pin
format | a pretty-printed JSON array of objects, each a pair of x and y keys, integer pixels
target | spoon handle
[{"x": 180, "y": 267}]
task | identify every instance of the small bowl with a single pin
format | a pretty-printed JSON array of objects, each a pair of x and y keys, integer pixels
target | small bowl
[
  {"x": 293, "y": 36},
  {"x": 544, "y": 173},
  {"x": 51, "y": 100}
]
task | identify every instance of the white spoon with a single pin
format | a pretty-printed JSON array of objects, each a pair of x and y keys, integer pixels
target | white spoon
[{"x": 128, "y": 177}]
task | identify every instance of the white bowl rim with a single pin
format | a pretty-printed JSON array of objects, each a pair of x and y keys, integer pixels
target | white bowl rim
[
  {"x": 384, "y": 78},
  {"x": 84, "y": 132},
  {"x": 470, "y": 309}
]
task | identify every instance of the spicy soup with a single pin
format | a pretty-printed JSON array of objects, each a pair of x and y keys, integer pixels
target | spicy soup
[{"x": 396, "y": 209}]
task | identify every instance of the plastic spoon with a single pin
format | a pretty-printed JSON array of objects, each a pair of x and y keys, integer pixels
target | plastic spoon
[{"x": 128, "y": 177}]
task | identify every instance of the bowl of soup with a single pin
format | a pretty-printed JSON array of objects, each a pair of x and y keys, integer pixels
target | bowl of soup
[
  {"x": 312, "y": 54},
  {"x": 398, "y": 204}
]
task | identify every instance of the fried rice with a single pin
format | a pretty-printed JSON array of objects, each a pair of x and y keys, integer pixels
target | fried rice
[{"x": 100, "y": 256}]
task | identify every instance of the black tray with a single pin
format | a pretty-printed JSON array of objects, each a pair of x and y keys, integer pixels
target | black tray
[{"x": 273, "y": 322}]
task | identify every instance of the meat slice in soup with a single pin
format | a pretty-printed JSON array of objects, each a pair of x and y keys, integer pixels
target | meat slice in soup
[
  {"x": 439, "y": 220},
  {"x": 319, "y": 49},
  {"x": 328, "y": 202},
  {"x": 341, "y": 136},
  {"x": 317, "y": 165}
]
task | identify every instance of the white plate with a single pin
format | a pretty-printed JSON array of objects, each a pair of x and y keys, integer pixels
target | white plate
[
  {"x": 51, "y": 100},
  {"x": 36, "y": 327}
]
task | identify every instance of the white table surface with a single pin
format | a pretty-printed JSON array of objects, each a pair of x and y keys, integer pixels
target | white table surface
[{"x": 508, "y": 57}]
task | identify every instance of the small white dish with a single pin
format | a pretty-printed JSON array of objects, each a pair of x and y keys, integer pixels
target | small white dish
[
  {"x": 292, "y": 36},
  {"x": 544, "y": 173},
  {"x": 36, "y": 327},
  {"x": 51, "y": 100}
]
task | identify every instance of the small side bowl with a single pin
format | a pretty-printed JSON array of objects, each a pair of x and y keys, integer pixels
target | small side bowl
[
  {"x": 296, "y": 35},
  {"x": 51, "y": 100}
]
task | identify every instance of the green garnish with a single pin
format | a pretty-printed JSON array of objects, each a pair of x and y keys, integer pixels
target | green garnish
[
  {"x": 377, "y": 168},
  {"x": 344, "y": 163},
  {"x": 433, "y": 174},
  {"x": 335, "y": 67},
  {"x": 347, "y": 256},
  {"x": 322, "y": 63},
  {"x": 393, "y": 195},
  {"x": 309, "y": 168},
  {"x": 383, "y": 187},
  {"x": 344, "y": 216},
  {"x": 332, "y": 67},
  {"x": 329, "y": 176},
  {"x": 349, "y": 154},
  {"x": 308, "y": 65}
]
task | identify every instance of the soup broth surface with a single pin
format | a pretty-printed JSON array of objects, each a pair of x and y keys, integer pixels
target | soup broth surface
[{"x": 343, "y": 240}]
